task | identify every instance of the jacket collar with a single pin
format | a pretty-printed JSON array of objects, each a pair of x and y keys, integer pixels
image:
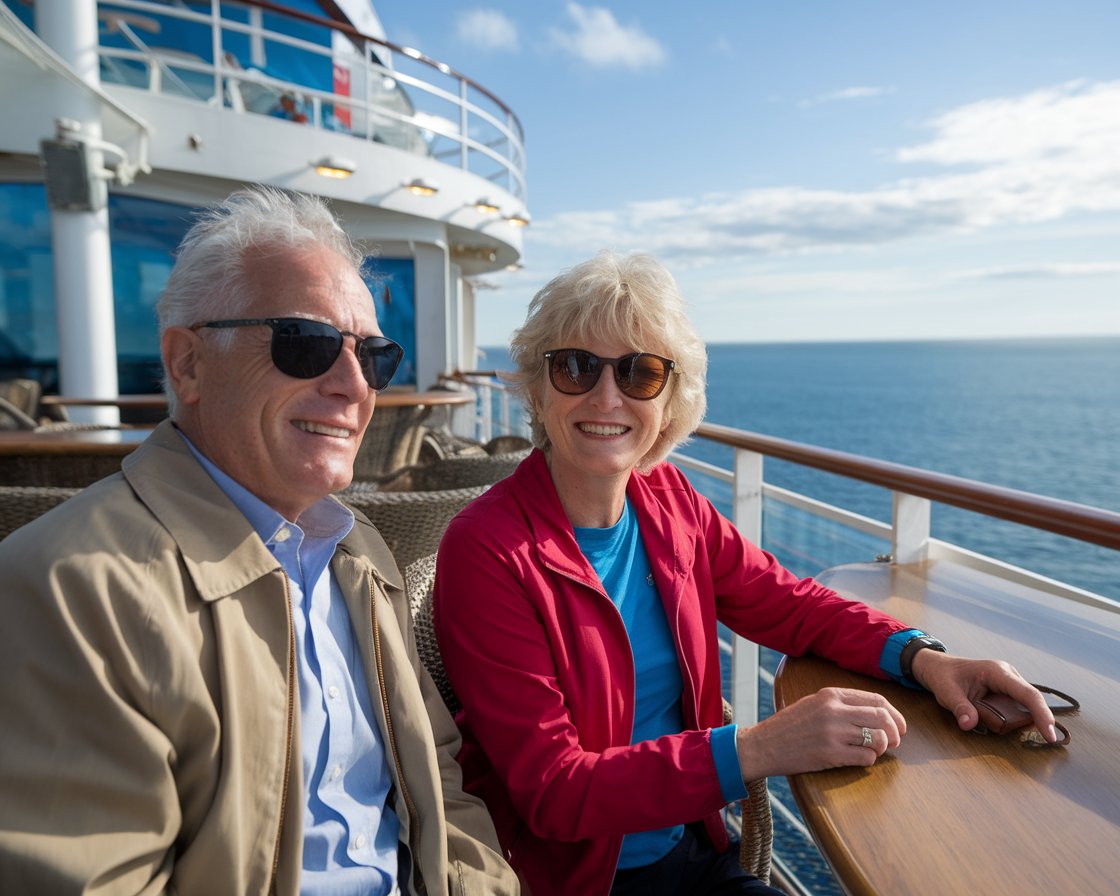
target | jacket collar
[
  {"x": 221, "y": 552},
  {"x": 669, "y": 548}
]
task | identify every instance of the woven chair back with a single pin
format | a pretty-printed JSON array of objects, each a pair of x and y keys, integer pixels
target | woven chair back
[
  {"x": 412, "y": 523},
  {"x": 19, "y": 505},
  {"x": 419, "y": 581}
]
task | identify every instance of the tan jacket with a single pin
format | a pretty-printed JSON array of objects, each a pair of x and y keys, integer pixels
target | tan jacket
[{"x": 149, "y": 711}]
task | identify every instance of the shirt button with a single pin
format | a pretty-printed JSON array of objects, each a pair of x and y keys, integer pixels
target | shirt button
[
  {"x": 336, "y": 772},
  {"x": 359, "y": 841},
  {"x": 332, "y": 692},
  {"x": 283, "y": 535}
]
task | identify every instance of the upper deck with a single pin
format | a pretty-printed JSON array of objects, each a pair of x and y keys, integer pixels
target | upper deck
[{"x": 126, "y": 116}]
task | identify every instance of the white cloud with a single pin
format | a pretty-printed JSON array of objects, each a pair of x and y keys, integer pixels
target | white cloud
[
  {"x": 847, "y": 95},
  {"x": 599, "y": 40},
  {"x": 487, "y": 29},
  {"x": 1077, "y": 119},
  {"x": 1039, "y": 157},
  {"x": 1063, "y": 271}
]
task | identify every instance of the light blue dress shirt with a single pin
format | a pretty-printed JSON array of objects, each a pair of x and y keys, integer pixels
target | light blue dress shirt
[{"x": 350, "y": 830}]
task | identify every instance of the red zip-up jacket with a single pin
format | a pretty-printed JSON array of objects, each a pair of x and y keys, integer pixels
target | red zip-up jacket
[{"x": 540, "y": 659}]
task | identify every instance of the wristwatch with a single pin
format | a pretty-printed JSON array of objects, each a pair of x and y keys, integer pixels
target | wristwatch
[{"x": 910, "y": 650}]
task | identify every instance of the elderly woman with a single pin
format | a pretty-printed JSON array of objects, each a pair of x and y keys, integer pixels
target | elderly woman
[{"x": 576, "y": 606}]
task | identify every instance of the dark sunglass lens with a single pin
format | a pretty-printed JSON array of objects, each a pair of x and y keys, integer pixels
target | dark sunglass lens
[
  {"x": 304, "y": 348},
  {"x": 642, "y": 376},
  {"x": 574, "y": 372},
  {"x": 380, "y": 357}
]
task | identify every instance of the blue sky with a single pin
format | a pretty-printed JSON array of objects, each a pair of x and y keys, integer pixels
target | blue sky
[{"x": 811, "y": 170}]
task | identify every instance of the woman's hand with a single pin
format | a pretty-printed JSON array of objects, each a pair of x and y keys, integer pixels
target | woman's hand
[
  {"x": 823, "y": 730},
  {"x": 957, "y": 681}
]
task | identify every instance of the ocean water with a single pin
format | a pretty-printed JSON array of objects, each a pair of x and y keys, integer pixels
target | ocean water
[{"x": 1041, "y": 416}]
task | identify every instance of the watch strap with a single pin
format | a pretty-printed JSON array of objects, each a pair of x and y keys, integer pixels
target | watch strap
[{"x": 910, "y": 650}]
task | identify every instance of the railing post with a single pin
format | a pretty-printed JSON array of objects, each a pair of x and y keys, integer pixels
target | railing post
[
  {"x": 486, "y": 414},
  {"x": 464, "y": 126},
  {"x": 747, "y": 507},
  {"x": 747, "y": 500},
  {"x": 909, "y": 527}
]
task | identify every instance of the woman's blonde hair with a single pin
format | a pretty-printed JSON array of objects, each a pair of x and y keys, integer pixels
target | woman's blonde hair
[{"x": 631, "y": 300}]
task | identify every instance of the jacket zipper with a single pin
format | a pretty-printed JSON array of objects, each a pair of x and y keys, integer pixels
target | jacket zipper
[
  {"x": 288, "y": 740},
  {"x": 388, "y": 716}
]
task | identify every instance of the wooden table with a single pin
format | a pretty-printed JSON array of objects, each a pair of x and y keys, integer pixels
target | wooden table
[
  {"x": 150, "y": 402},
  {"x": 434, "y": 398},
  {"x": 75, "y": 458},
  {"x": 72, "y": 458},
  {"x": 116, "y": 442},
  {"x": 949, "y": 812},
  {"x": 158, "y": 400}
]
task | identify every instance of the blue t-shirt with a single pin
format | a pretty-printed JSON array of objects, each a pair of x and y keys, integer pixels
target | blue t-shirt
[{"x": 619, "y": 557}]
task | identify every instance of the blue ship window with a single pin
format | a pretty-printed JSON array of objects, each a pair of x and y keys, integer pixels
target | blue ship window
[{"x": 144, "y": 234}]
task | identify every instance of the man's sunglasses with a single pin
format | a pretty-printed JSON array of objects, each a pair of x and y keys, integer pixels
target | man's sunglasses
[
  {"x": 308, "y": 348},
  {"x": 641, "y": 375}
]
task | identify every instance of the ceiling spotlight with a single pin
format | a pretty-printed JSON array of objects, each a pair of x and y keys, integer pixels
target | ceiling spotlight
[
  {"x": 418, "y": 186},
  {"x": 486, "y": 206},
  {"x": 333, "y": 166},
  {"x": 519, "y": 219}
]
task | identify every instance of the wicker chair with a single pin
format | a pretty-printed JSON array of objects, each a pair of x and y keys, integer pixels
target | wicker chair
[
  {"x": 62, "y": 470},
  {"x": 507, "y": 444},
  {"x": 463, "y": 471},
  {"x": 391, "y": 442},
  {"x": 23, "y": 395},
  {"x": 419, "y": 581},
  {"x": 412, "y": 523},
  {"x": 19, "y": 504},
  {"x": 439, "y": 443},
  {"x": 757, "y": 836},
  {"x": 14, "y": 417}
]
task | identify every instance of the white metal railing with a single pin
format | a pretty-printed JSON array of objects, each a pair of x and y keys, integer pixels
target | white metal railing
[{"x": 380, "y": 92}]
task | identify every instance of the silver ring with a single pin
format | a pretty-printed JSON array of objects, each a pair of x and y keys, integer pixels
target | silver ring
[{"x": 867, "y": 737}]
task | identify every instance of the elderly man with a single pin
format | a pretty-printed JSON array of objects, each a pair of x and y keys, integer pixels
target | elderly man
[{"x": 210, "y": 681}]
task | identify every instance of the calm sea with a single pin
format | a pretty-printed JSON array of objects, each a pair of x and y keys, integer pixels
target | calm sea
[{"x": 1042, "y": 416}]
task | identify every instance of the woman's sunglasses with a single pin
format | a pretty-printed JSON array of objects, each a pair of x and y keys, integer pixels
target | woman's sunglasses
[
  {"x": 308, "y": 348},
  {"x": 641, "y": 375}
]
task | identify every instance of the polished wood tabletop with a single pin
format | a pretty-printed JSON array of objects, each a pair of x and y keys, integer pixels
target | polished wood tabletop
[
  {"x": 955, "y": 812},
  {"x": 158, "y": 400},
  {"x": 115, "y": 441},
  {"x": 148, "y": 402},
  {"x": 432, "y": 398}
]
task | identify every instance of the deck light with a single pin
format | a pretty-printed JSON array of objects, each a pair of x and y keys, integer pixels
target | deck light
[
  {"x": 419, "y": 186},
  {"x": 519, "y": 219},
  {"x": 485, "y": 206},
  {"x": 334, "y": 166}
]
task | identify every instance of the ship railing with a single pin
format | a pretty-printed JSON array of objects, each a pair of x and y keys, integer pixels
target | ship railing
[
  {"x": 257, "y": 52},
  {"x": 497, "y": 410},
  {"x": 767, "y": 514}
]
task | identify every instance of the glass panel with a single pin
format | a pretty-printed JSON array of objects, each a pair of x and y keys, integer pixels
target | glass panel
[
  {"x": 144, "y": 234},
  {"x": 392, "y": 281}
]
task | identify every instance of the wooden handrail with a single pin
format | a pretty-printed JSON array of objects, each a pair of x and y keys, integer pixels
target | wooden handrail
[{"x": 1079, "y": 521}]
